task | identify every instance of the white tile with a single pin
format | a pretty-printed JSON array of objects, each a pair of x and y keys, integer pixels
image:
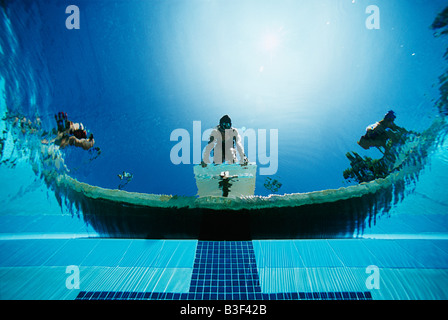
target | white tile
[
  {"x": 353, "y": 253},
  {"x": 317, "y": 253},
  {"x": 277, "y": 254},
  {"x": 425, "y": 252}
]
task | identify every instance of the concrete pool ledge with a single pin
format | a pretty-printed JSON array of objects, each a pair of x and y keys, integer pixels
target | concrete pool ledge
[{"x": 331, "y": 213}]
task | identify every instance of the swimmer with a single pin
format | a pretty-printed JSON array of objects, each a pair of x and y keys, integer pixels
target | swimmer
[
  {"x": 225, "y": 175},
  {"x": 223, "y": 141},
  {"x": 26, "y": 125},
  {"x": 225, "y": 182},
  {"x": 70, "y": 133},
  {"x": 378, "y": 134},
  {"x": 125, "y": 176},
  {"x": 272, "y": 185}
]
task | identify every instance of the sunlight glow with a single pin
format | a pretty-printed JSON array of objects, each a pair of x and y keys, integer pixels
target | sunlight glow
[{"x": 270, "y": 41}]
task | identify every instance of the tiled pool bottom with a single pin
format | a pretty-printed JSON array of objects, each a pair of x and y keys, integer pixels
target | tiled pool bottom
[
  {"x": 245, "y": 270},
  {"x": 224, "y": 271}
]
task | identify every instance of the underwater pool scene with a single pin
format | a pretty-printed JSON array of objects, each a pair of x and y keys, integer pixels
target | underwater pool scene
[{"x": 223, "y": 150}]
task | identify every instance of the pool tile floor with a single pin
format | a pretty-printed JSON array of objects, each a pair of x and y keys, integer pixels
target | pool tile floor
[{"x": 232, "y": 270}]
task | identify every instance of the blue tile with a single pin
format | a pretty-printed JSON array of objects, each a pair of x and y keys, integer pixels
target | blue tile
[
  {"x": 190, "y": 296},
  {"x": 88, "y": 295},
  {"x": 198, "y": 296},
  {"x": 81, "y": 295},
  {"x": 106, "y": 295},
  {"x": 117, "y": 296},
  {"x": 155, "y": 295},
  {"x": 147, "y": 295},
  {"x": 360, "y": 295},
  {"x": 233, "y": 263},
  {"x": 95, "y": 295}
]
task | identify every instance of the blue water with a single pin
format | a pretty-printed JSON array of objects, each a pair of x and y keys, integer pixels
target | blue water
[{"x": 136, "y": 71}]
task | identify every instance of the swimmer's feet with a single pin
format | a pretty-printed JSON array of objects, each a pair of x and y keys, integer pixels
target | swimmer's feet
[{"x": 61, "y": 119}]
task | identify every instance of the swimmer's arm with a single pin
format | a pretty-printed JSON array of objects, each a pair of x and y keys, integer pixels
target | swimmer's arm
[
  {"x": 45, "y": 141},
  {"x": 83, "y": 143},
  {"x": 210, "y": 146},
  {"x": 239, "y": 146}
]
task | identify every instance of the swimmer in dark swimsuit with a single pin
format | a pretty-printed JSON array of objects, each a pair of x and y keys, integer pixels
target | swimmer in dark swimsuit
[
  {"x": 70, "y": 133},
  {"x": 378, "y": 134}
]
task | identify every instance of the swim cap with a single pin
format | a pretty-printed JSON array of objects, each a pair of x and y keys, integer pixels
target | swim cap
[
  {"x": 225, "y": 122},
  {"x": 390, "y": 115}
]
